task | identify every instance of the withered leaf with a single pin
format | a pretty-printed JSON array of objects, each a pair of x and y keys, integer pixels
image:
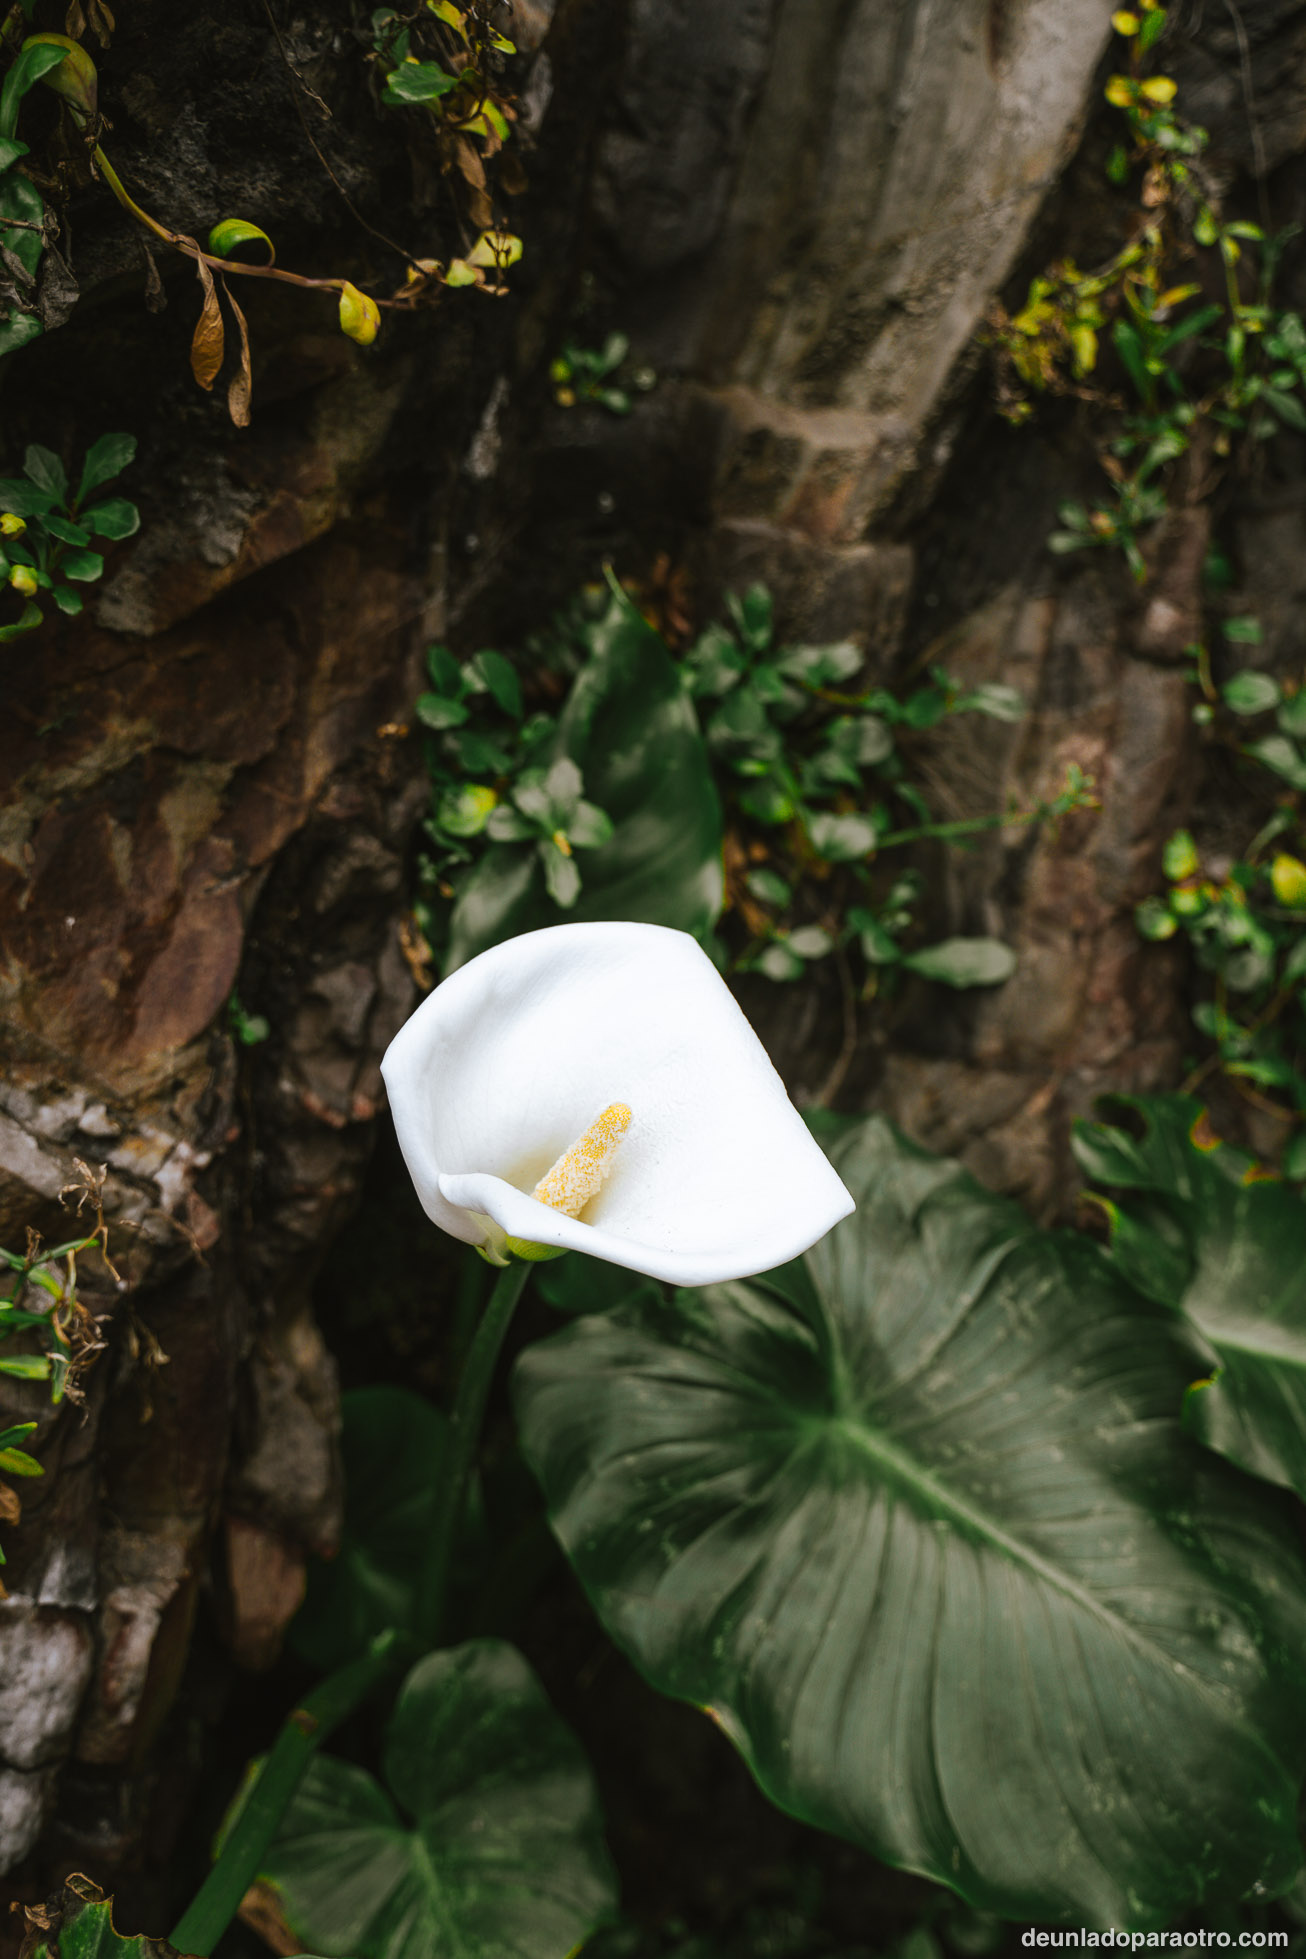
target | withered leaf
[
  {"x": 241, "y": 386},
  {"x": 206, "y": 348},
  {"x": 468, "y": 159}
]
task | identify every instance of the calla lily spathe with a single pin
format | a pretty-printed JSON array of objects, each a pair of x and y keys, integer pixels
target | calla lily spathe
[{"x": 625, "y": 1034}]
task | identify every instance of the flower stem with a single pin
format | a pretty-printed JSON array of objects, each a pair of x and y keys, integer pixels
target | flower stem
[
  {"x": 464, "y": 1434},
  {"x": 217, "y": 1901}
]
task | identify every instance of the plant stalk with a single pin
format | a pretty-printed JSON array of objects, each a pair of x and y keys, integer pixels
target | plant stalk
[
  {"x": 464, "y": 1435},
  {"x": 217, "y": 1901}
]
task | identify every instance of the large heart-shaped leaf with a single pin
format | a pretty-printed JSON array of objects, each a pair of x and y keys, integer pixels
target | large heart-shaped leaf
[
  {"x": 630, "y": 727},
  {"x": 487, "y": 1843},
  {"x": 916, "y": 1522},
  {"x": 391, "y": 1446},
  {"x": 1196, "y": 1229}
]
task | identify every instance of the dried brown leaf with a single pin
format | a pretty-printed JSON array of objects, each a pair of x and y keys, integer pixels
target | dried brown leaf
[
  {"x": 11, "y": 1509},
  {"x": 468, "y": 159},
  {"x": 206, "y": 348},
  {"x": 241, "y": 387}
]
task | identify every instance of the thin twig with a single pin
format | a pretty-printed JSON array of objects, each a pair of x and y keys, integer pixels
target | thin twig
[{"x": 313, "y": 144}]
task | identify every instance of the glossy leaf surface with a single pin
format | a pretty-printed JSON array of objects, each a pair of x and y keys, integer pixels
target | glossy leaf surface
[
  {"x": 630, "y": 728},
  {"x": 1230, "y": 1255},
  {"x": 487, "y": 1843},
  {"x": 916, "y": 1522}
]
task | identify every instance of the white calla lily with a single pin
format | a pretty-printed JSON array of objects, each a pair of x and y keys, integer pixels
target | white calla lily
[{"x": 607, "y": 1070}]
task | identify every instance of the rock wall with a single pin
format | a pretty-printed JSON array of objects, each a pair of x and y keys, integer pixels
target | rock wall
[
  {"x": 800, "y": 210},
  {"x": 208, "y": 784}
]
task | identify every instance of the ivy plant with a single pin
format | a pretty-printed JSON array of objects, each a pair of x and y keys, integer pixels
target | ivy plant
[
  {"x": 1211, "y": 355},
  {"x": 594, "y": 374},
  {"x": 1244, "y": 917},
  {"x": 816, "y": 781},
  {"x": 44, "y": 1309},
  {"x": 47, "y": 528}
]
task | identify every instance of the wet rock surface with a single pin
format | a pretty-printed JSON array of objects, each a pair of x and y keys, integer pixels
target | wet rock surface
[{"x": 206, "y": 786}]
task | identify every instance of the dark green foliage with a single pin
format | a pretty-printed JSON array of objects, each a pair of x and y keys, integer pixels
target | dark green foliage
[
  {"x": 1194, "y": 1227},
  {"x": 631, "y": 736},
  {"x": 484, "y": 1842},
  {"x": 917, "y": 1523}
]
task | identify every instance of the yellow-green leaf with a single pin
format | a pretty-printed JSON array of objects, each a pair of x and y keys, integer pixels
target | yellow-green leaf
[
  {"x": 75, "y": 78},
  {"x": 500, "y": 248},
  {"x": 360, "y": 316},
  {"x": 1288, "y": 876},
  {"x": 1160, "y": 88}
]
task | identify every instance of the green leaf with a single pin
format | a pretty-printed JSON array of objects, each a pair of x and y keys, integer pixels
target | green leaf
[
  {"x": 752, "y": 616},
  {"x": 499, "y": 677},
  {"x": 821, "y": 666},
  {"x": 1280, "y": 755},
  {"x": 85, "y": 566},
  {"x": 917, "y": 1524},
  {"x": 1179, "y": 858},
  {"x": 464, "y": 811},
  {"x": 964, "y": 962},
  {"x": 1227, "y": 1254},
  {"x": 841, "y": 839},
  {"x": 10, "y": 151},
  {"x": 19, "y": 198},
  {"x": 69, "y": 602},
  {"x": 447, "y": 676},
  {"x": 24, "y": 499},
  {"x": 778, "y": 963},
  {"x": 418, "y": 81},
  {"x": 1130, "y": 349},
  {"x": 66, "y": 532},
  {"x": 1292, "y": 714},
  {"x": 27, "y": 621},
  {"x": 1251, "y": 693},
  {"x": 632, "y": 732},
  {"x": 561, "y": 875},
  {"x": 1245, "y": 631},
  {"x": 769, "y": 888},
  {"x": 438, "y": 711},
  {"x": 998, "y": 701},
  {"x": 1155, "y": 920},
  {"x": 113, "y": 518},
  {"x": 27, "y": 1367},
  {"x": 486, "y": 1843},
  {"x": 391, "y": 1446},
  {"x": 26, "y": 72},
  {"x": 43, "y": 468},
  {"x": 1287, "y": 407},
  {"x": 810, "y": 942},
  {"x": 18, "y": 1433},
  {"x": 17, "y": 1462},
  {"x": 589, "y": 828},
  {"x": 228, "y": 236}
]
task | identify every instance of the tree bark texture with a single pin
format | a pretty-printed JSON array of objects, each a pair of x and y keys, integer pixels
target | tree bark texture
[{"x": 801, "y": 211}]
